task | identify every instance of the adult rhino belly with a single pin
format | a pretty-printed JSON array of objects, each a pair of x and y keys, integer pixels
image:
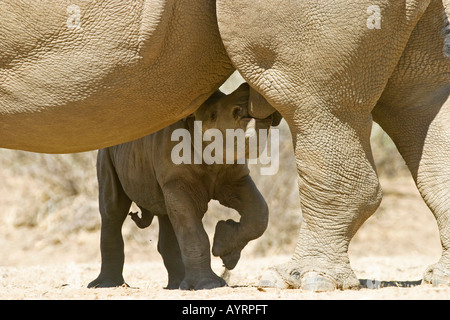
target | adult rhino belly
[{"x": 120, "y": 71}]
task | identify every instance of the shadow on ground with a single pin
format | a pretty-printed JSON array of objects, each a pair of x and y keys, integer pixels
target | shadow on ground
[{"x": 377, "y": 284}]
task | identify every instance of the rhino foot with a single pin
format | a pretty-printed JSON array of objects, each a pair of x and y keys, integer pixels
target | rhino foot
[
  {"x": 437, "y": 275},
  {"x": 103, "y": 282},
  {"x": 226, "y": 243},
  {"x": 172, "y": 286},
  {"x": 174, "y": 282},
  {"x": 290, "y": 276},
  {"x": 230, "y": 260},
  {"x": 205, "y": 282}
]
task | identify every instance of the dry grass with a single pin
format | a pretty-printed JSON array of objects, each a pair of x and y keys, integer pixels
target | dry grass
[{"x": 55, "y": 184}]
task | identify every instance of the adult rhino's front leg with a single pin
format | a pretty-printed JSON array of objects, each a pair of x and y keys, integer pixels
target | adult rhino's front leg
[{"x": 230, "y": 236}]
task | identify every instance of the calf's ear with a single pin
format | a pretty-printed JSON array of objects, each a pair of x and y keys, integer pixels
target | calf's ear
[
  {"x": 276, "y": 118},
  {"x": 242, "y": 94},
  {"x": 259, "y": 108}
]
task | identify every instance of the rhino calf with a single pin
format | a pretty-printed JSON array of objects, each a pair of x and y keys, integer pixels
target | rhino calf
[{"x": 178, "y": 194}]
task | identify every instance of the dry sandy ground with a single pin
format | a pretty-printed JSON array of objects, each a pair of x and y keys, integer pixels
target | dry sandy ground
[
  {"x": 393, "y": 249},
  {"x": 68, "y": 281}
]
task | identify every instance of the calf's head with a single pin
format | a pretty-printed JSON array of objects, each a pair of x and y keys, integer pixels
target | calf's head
[{"x": 227, "y": 115}]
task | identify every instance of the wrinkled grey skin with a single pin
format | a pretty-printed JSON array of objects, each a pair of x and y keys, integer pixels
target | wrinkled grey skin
[
  {"x": 137, "y": 66},
  {"x": 330, "y": 70},
  {"x": 143, "y": 171},
  {"x": 113, "y": 72}
]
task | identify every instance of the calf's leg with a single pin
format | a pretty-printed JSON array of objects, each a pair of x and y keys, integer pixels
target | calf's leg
[
  {"x": 231, "y": 237},
  {"x": 170, "y": 251},
  {"x": 114, "y": 205},
  {"x": 185, "y": 207}
]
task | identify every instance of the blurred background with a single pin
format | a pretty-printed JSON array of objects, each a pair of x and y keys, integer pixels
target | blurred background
[{"x": 49, "y": 210}]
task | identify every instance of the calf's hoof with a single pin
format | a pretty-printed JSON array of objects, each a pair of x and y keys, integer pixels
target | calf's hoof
[
  {"x": 224, "y": 246},
  {"x": 173, "y": 284},
  {"x": 230, "y": 260},
  {"x": 210, "y": 282},
  {"x": 101, "y": 282}
]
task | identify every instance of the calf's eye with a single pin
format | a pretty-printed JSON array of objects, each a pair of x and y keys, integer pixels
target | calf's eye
[{"x": 236, "y": 112}]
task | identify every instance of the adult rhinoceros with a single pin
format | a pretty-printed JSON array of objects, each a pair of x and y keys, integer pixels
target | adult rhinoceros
[{"x": 81, "y": 75}]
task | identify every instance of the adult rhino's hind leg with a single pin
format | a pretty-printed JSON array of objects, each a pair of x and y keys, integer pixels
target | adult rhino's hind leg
[
  {"x": 415, "y": 111},
  {"x": 324, "y": 69},
  {"x": 339, "y": 190},
  {"x": 425, "y": 146},
  {"x": 433, "y": 182},
  {"x": 114, "y": 205}
]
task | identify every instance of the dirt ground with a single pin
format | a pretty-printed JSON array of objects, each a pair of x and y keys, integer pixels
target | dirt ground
[
  {"x": 389, "y": 254},
  {"x": 68, "y": 281}
]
